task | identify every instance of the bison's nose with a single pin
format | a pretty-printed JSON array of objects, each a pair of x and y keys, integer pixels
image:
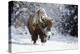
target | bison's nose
[{"x": 45, "y": 39}]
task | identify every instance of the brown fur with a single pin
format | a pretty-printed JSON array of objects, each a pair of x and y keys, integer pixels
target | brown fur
[{"x": 38, "y": 29}]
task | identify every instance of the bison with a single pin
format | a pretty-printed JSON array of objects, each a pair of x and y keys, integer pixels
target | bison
[{"x": 39, "y": 24}]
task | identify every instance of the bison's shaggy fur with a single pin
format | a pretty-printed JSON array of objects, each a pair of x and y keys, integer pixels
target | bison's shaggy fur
[{"x": 40, "y": 27}]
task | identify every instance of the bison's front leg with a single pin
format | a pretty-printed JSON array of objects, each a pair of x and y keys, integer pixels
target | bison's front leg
[
  {"x": 34, "y": 38},
  {"x": 43, "y": 37}
]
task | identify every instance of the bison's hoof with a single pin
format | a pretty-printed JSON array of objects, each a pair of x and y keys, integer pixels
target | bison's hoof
[{"x": 34, "y": 43}]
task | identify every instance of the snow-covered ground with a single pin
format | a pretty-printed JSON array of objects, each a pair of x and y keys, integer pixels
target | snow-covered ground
[{"x": 21, "y": 42}]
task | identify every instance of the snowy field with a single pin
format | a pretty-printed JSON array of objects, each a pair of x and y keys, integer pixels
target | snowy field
[{"x": 22, "y": 42}]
